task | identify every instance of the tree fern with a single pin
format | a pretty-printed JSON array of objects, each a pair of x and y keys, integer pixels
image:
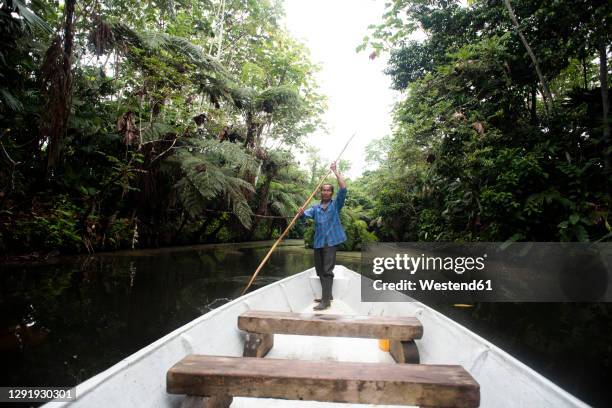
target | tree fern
[
  {"x": 210, "y": 175},
  {"x": 207, "y": 74},
  {"x": 285, "y": 197},
  {"x": 272, "y": 98}
]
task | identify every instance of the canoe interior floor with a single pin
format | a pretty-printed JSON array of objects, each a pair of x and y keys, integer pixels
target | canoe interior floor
[{"x": 320, "y": 348}]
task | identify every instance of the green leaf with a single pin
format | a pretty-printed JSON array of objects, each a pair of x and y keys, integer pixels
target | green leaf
[{"x": 581, "y": 233}]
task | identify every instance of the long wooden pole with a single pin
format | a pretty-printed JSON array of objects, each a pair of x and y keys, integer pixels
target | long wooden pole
[{"x": 292, "y": 222}]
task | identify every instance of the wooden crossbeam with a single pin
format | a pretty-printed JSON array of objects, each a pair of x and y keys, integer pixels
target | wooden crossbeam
[
  {"x": 312, "y": 324},
  {"x": 262, "y": 325},
  {"x": 334, "y": 381}
]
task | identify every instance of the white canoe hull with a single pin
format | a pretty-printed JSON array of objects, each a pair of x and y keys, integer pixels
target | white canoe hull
[{"x": 140, "y": 379}]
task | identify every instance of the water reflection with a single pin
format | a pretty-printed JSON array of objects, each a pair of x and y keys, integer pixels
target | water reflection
[{"x": 64, "y": 322}]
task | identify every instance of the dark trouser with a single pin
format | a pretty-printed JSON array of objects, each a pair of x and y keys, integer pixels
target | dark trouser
[{"x": 325, "y": 260}]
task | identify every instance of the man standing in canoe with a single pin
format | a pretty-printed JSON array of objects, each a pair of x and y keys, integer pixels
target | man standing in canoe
[{"x": 328, "y": 235}]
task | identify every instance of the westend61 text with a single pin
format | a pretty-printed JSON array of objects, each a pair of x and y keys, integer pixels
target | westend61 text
[{"x": 429, "y": 284}]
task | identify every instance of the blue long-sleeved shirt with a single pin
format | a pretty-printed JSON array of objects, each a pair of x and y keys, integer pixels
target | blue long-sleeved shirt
[{"x": 328, "y": 228}]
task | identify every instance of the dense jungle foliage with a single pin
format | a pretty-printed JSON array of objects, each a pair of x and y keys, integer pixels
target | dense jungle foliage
[
  {"x": 504, "y": 129},
  {"x": 135, "y": 124}
]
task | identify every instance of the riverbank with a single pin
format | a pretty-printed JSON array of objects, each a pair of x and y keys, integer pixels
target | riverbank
[{"x": 54, "y": 256}]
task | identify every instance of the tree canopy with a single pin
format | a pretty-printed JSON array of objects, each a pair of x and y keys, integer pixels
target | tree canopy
[
  {"x": 478, "y": 152},
  {"x": 149, "y": 123}
]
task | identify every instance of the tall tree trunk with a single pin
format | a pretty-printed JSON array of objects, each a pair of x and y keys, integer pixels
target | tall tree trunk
[
  {"x": 220, "y": 33},
  {"x": 534, "y": 111},
  {"x": 603, "y": 79},
  {"x": 271, "y": 227},
  {"x": 249, "y": 145},
  {"x": 584, "y": 72},
  {"x": 251, "y": 129},
  {"x": 548, "y": 100},
  {"x": 58, "y": 71},
  {"x": 262, "y": 208},
  {"x": 185, "y": 218},
  {"x": 258, "y": 133},
  {"x": 313, "y": 173}
]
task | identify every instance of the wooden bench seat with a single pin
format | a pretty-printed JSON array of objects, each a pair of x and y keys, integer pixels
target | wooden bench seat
[
  {"x": 262, "y": 325},
  {"x": 221, "y": 378}
]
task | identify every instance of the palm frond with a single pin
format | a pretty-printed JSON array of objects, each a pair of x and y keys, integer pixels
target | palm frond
[
  {"x": 189, "y": 197},
  {"x": 242, "y": 97},
  {"x": 30, "y": 18},
  {"x": 194, "y": 52},
  {"x": 283, "y": 203},
  {"x": 123, "y": 36},
  {"x": 155, "y": 131},
  {"x": 272, "y": 98},
  {"x": 240, "y": 205},
  {"x": 11, "y": 101}
]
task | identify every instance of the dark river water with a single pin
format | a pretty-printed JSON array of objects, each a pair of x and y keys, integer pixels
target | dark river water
[{"x": 64, "y": 321}]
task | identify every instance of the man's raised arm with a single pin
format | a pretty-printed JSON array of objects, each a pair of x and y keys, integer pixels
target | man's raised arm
[
  {"x": 341, "y": 196},
  {"x": 341, "y": 182}
]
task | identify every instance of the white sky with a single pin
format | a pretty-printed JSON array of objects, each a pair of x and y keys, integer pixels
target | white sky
[{"x": 359, "y": 95}]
